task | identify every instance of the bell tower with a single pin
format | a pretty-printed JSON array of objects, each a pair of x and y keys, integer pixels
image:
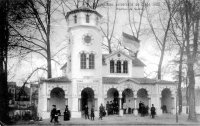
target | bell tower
[
  {"x": 84, "y": 58},
  {"x": 85, "y": 39}
]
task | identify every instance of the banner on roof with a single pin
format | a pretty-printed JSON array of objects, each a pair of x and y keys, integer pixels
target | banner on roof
[{"x": 131, "y": 42}]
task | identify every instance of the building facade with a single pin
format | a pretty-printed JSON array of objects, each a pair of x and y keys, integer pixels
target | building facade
[{"x": 92, "y": 78}]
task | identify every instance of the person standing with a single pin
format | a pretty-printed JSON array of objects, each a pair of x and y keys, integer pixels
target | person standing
[
  {"x": 108, "y": 107},
  {"x": 53, "y": 113},
  {"x": 101, "y": 110},
  {"x": 124, "y": 107},
  {"x": 92, "y": 113},
  {"x": 153, "y": 111},
  {"x": 67, "y": 114},
  {"x": 86, "y": 112}
]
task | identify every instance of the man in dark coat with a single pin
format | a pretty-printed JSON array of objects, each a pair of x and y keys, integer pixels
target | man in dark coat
[
  {"x": 92, "y": 113},
  {"x": 153, "y": 111},
  {"x": 53, "y": 113},
  {"x": 101, "y": 110}
]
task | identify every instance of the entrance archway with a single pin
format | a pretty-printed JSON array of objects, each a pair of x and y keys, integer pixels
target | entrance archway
[
  {"x": 166, "y": 100},
  {"x": 113, "y": 99},
  {"x": 128, "y": 100},
  {"x": 142, "y": 95},
  {"x": 87, "y": 98},
  {"x": 112, "y": 95},
  {"x": 57, "y": 97}
]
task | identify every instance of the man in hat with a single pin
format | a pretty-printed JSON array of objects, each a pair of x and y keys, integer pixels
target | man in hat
[{"x": 53, "y": 113}]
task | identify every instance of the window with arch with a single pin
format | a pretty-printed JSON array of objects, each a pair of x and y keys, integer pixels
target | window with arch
[
  {"x": 125, "y": 67},
  {"x": 118, "y": 66},
  {"x": 112, "y": 66},
  {"x": 75, "y": 19},
  {"x": 87, "y": 18},
  {"x": 91, "y": 61},
  {"x": 83, "y": 61}
]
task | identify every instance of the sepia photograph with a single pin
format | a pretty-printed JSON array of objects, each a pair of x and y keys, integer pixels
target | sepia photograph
[{"x": 99, "y": 62}]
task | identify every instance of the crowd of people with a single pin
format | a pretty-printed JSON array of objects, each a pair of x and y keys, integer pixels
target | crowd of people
[
  {"x": 112, "y": 107},
  {"x": 143, "y": 109}
]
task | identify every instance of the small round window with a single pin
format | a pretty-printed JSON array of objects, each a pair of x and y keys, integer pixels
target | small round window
[{"x": 87, "y": 39}]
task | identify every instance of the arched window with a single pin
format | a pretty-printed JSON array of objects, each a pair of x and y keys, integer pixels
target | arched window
[
  {"x": 87, "y": 18},
  {"x": 83, "y": 61},
  {"x": 112, "y": 66},
  {"x": 125, "y": 67},
  {"x": 118, "y": 66},
  {"x": 91, "y": 61},
  {"x": 75, "y": 19}
]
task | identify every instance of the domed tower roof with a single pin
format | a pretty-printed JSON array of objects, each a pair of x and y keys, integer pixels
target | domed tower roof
[{"x": 83, "y": 9}]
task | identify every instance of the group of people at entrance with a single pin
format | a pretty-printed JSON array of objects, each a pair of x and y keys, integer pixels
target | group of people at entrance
[
  {"x": 112, "y": 107},
  {"x": 92, "y": 114},
  {"x": 55, "y": 113},
  {"x": 144, "y": 110}
]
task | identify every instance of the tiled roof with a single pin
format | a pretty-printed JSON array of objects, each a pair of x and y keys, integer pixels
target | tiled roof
[
  {"x": 117, "y": 80},
  {"x": 137, "y": 62},
  {"x": 58, "y": 79},
  {"x": 83, "y": 9}
]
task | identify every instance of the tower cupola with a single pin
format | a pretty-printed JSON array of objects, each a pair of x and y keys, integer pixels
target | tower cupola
[{"x": 83, "y": 16}]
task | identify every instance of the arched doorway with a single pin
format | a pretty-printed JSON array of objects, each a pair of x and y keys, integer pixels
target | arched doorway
[
  {"x": 112, "y": 95},
  {"x": 166, "y": 100},
  {"x": 87, "y": 98},
  {"x": 128, "y": 100},
  {"x": 142, "y": 96},
  {"x": 113, "y": 99},
  {"x": 57, "y": 97}
]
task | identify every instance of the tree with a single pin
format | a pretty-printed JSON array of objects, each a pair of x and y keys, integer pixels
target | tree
[
  {"x": 165, "y": 16},
  {"x": 135, "y": 25},
  {"x": 108, "y": 29},
  {"x": 192, "y": 20},
  {"x": 177, "y": 30},
  {"x": 4, "y": 37},
  {"x": 38, "y": 23}
]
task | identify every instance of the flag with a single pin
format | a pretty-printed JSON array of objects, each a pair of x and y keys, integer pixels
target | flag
[{"x": 131, "y": 42}]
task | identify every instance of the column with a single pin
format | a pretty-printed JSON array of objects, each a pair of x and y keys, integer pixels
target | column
[
  {"x": 120, "y": 104},
  {"x": 174, "y": 103},
  {"x": 135, "y": 106},
  {"x": 149, "y": 98}
]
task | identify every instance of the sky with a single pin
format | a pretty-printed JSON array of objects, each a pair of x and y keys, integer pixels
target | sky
[{"x": 148, "y": 53}]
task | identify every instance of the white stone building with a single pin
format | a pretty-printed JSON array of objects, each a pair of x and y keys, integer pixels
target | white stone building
[{"x": 90, "y": 77}]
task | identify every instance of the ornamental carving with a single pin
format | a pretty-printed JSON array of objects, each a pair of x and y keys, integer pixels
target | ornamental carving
[
  {"x": 82, "y": 86},
  {"x": 65, "y": 88}
]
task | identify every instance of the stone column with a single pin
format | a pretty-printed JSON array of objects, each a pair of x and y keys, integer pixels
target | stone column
[
  {"x": 135, "y": 106},
  {"x": 149, "y": 98},
  {"x": 174, "y": 104},
  {"x": 120, "y": 104}
]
